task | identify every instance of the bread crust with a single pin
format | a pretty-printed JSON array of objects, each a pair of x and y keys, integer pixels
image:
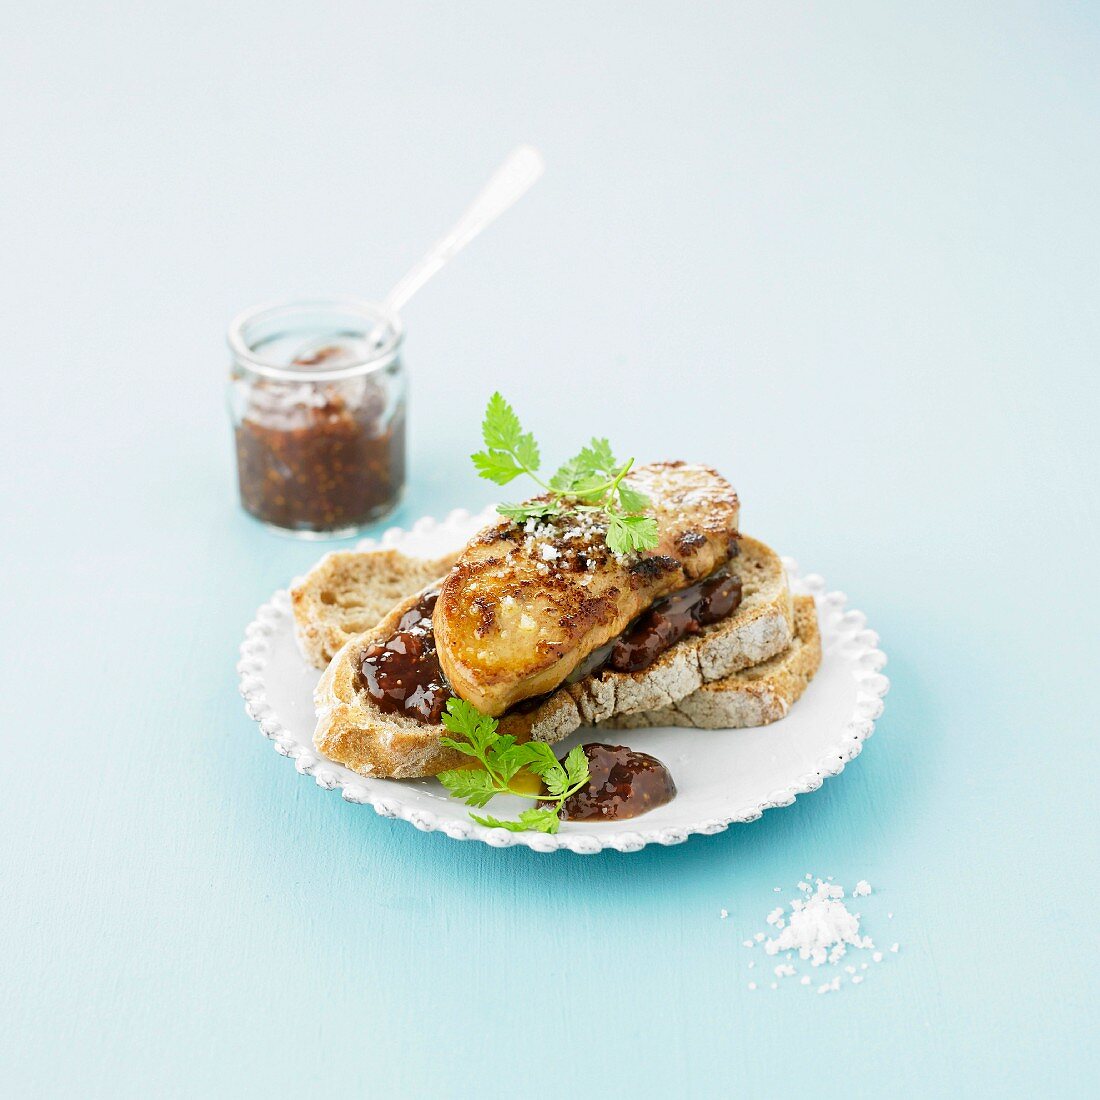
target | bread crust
[
  {"x": 755, "y": 696},
  {"x": 348, "y": 591},
  {"x": 352, "y": 730},
  {"x": 760, "y": 628}
]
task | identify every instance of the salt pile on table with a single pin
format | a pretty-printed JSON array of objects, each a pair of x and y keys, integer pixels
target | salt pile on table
[
  {"x": 821, "y": 929},
  {"x": 819, "y": 926}
]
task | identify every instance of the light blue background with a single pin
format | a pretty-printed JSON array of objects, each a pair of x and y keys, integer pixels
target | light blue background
[{"x": 848, "y": 253}]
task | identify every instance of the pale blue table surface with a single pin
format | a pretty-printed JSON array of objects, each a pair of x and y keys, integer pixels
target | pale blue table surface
[{"x": 846, "y": 253}]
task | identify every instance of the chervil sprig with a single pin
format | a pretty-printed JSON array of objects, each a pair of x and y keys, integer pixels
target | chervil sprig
[
  {"x": 591, "y": 481},
  {"x": 475, "y": 735}
]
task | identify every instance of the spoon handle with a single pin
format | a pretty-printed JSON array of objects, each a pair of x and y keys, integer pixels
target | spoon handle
[{"x": 512, "y": 179}]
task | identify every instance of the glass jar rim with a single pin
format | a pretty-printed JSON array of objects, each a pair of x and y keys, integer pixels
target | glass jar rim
[{"x": 372, "y": 312}]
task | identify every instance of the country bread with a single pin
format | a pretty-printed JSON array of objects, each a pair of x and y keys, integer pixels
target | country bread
[
  {"x": 755, "y": 696},
  {"x": 348, "y": 591},
  {"x": 760, "y": 628},
  {"x": 353, "y": 731}
]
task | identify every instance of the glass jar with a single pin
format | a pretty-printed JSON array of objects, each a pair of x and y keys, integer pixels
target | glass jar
[{"x": 317, "y": 398}]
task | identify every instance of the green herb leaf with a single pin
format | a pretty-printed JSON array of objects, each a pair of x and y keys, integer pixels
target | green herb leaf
[
  {"x": 466, "y": 720},
  {"x": 591, "y": 481},
  {"x": 473, "y": 786},
  {"x": 627, "y": 534},
  {"x": 576, "y": 767},
  {"x": 544, "y": 819},
  {"x": 632, "y": 500},
  {"x": 501, "y": 428},
  {"x": 539, "y": 757},
  {"x": 538, "y": 820},
  {"x": 527, "y": 451},
  {"x": 507, "y": 760},
  {"x": 502, "y": 743},
  {"x": 555, "y": 781},
  {"x": 597, "y": 456},
  {"x": 461, "y": 746},
  {"x": 591, "y": 488},
  {"x": 568, "y": 474},
  {"x": 497, "y": 466},
  {"x": 496, "y": 823},
  {"x": 510, "y": 450},
  {"x": 501, "y": 758},
  {"x": 532, "y": 509}
]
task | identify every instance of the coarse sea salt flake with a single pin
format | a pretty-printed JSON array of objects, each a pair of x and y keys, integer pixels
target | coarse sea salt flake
[
  {"x": 746, "y": 943},
  {"x": 894, "y": 947},
  {"x": 724, "y": 913},
  {"x": 821, "y": 929}
]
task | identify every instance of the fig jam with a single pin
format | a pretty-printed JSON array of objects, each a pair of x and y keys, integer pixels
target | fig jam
[
  {"x": 624, "y": 784},
  {"x": 402, "y": 673},
  {"x": 673, "y": 618}
]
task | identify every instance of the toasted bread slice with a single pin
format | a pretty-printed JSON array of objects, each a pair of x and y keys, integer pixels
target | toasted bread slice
[
  {"x": 755, "y": 696},
  {"x": 760, "y": 628},
  {"x": 348, "y": 591},
  {"x": 353, "y": 731}
]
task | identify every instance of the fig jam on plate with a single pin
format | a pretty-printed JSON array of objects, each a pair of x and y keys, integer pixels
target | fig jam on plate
[{"x": 624, "y": 784}]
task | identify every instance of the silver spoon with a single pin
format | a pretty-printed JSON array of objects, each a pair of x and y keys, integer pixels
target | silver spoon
[{"x": 519, "y": 171}]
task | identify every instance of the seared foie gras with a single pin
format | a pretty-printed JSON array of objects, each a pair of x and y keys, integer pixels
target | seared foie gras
[{"x": 524, "y": 606}]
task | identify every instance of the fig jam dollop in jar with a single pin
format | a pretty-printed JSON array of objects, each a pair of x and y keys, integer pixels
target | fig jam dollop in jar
[{"x": 317, "y": 397}]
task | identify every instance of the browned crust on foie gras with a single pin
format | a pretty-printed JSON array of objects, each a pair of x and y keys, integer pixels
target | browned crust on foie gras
[{"x": 523, "y": 607}]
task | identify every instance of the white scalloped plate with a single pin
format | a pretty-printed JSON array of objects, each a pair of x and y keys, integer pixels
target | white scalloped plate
[{"x": 723, "y": 776}]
